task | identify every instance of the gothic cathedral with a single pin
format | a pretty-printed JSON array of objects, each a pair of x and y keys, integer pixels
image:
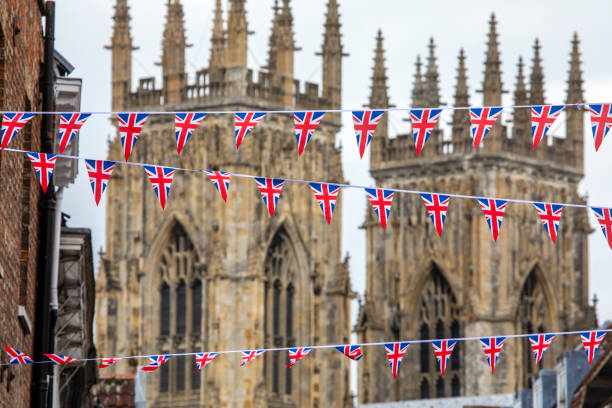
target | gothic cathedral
[{"x": 208, "y": 275}]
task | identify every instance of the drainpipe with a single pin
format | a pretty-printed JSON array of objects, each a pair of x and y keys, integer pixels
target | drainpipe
[{"x": 53, "y": 399}]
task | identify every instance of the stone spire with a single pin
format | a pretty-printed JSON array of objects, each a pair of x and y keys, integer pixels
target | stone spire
[
  {"x": 574, "y": 82},
  {"x": 332, "y": 53},
  {"x": 521, "y": 116},
  {"x": 461, "y": 118},
  {"x": 272, "y": 42},
  {"x": 432, "y": 85},
  {"x": 121, "y": 49},
  {"x": 418, "y": 88},
  {"x": 379, "y": 98},
  {"x": 173, "y": 53},
  {"x": 285, "y": 49},
  {"x": 536, "y": 85},
  {"x": 237, "y": 33},
  {"x": 575, "y": 117},
  {"x": 462, "y": 97},
  {"x": 492, "y": 88},
  {"x": 217, "y": 47}
]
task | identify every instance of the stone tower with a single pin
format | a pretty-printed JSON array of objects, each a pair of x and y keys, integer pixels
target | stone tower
[
  {"x": 208, "y": 275},
  {"x": 422, "y": 286}
]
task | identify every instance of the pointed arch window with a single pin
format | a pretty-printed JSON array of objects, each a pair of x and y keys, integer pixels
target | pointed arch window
[
  {"x": 196, "y": 307},
  {"x": 164, "y": 325},
  {"x": 531, "y": 319},
  {"x": 424, "y": 391},
  {"x": 181, "y": 308}
]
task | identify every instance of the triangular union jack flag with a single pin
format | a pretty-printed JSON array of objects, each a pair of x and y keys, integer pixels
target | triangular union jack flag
[
  {"x": 601, "y": 122},
  {"x": 305, "y": 125},
  {"x": 184, "y": 125},
  {"x": 494, "y": 214},
  {"x": 161, "y": 179},
  {"x": 591, "y": 341},
  {"x": 155, "y": 362},
  {"x": 395, "y": 352},
  {"x": 351, "y": 351},
  {"x": 107, "y": 362},
  {"x": 12, "y": 123},
  {"x": 604, "y": 217},
  {"x": 539, "y": 344},
  {"x": 542, "y": 118},
  {"x": 43, "y": 165},
  {"x": 244, "y": 124},
  {"x": 423, "y": 123},
  {"x": 492, "y": 347},
  {"x": 59, "y": 359},
  {"x": 70, "y": 124},
  {"x": 326, "y": 195},
  {"x": 221, "y": 180},
  {"x": 99, "y": 173},
  {"x": 130, "y": 126},
  {"x": 443, "y": 350},
  {"x": 203, "y": 359},
  {"x": 437, "y": 206},
  {"x": 270, "y": 190},
  {"x": 381, "y": 201},
  {"x": 482, "y": 120},
  {"x": 250, "y": 355},
  {"x": 17, "y": 357},
  {"x": 550, "y": 214},
  {"x": 365, "y": 123},
  {"x": 296, "y": 354}
]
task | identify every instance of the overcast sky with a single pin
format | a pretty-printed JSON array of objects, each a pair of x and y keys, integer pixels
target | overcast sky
[{"x": 85, "y": 26}]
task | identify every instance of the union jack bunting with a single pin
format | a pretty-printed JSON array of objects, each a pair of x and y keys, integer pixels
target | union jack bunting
[
  {"x": 494, "y": 214},
  {"x": 43, "y": 165},
  {"x": 99, "y": 173},
  {"x": 539, "y": 344},
  {"x": 296, "y": 354},
  {"x": 482, "y": 120},
  {"x": 604, "y": 217},
  {"x": 492, "y": 347},
  {"x": 249, "y": 355},
  {"x": 154, "y": 363},
  {"x": 601, "y": 122},
  {"x": 326, "y": 195},
  {"x": 221, "y": 180},
  {"x": 437, "y": 206},
  {"x": 184, "y": 125},
  {"x": 443, "y": 350},
  {"x": 17, "y": 357},
  {"x": 305, "y": 125},
  {"x": 591, "y": 341},
  {"x": 107, "y": 362},
  {"x": 550, "y": 214},
  {"x": 395, "y": 352},
  {"x": 244, "y": 124},
  {"x": 161, "y": 179},
  {"x": 130, "y": 126},
  {"x": 12, "y": 123},
  {"x": 59, "y": 359},
  {"x": 203, "y": 359},
  {"x": 270, "y": 190},
  {"x": 381, "y": 203},
  {"x": 542, "y": 118},
  {"x": 365, "y": 123},
  {"x": 70, "y": 124},
  {"x": 423, "y": 123},
  {"x": 353, "y": 351}
]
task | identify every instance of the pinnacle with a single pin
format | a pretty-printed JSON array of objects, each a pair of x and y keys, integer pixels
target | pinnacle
[
  {"x": 574, "y": 90},
  {"x": 378, "y": 96},
  {"x": 536, "y": 94},
  {"x": 418, "y": 86},
  {"x": 520, "y": 94},
  {"x": 432, "y": 86},
  {"x": 461, "y": 90}
]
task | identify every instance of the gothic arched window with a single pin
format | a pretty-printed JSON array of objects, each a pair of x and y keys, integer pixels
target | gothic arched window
[
  {"x": 196, "y": 307},
  {"x": 181, "y": 308},
  {"x": 531, "y": 318},
  {"x": 424, "y": 394},
  {"x": 164, "y": 324}
]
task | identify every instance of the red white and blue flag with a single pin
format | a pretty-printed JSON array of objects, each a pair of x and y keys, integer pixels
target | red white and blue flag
[
  {"x": 539, "y": 344},
  {"x": 381, "y": 201},
  {"x": 492, "y": 347},
  {"x": 203, "y": 359},
  {"x": 365, "y": 123},
  {"x": 161, "y": 179},
  {"x": 604, "y": 217},
  {"x": 244, "y": 124},
  {"x": 270, "y": 190},
  {"x": 601, "y": 122},
  {"x": 494, "y": 214},
  {"x": 130, "y": 126},
  {"x": 296, "y": 354},
  {"x": 17, "y": 357},
  {"x": 591, "y": 341},
  {"x": 100, "y": 172},
  {"x": 250, "y": 355},
  {"x": 443, "y": 350},
  {"x": 305, "y": 125},
  {"x": 107, "y": 362},
  {"x": 482, "y": 120},
  {"x": 43, "y": 165},
  {"x": 221, "y": 180},
  {"x": 437, "y": 206},
  {"x": 12, "y": 123},
  {"x": 423, "y": 123},
  {"x": 59, "y": 359},
  {"x": 70, "y": 124},
  {"x": 155, "y": 362},
  {"x": 550, "y": 214},
  {"x": 326, "y": 195},
  {"x": 352, "y": 351},
  {"x": 395, "y": 352},
  {"x": 542, "y": 118},
  {"x": 184, "y": 125}
]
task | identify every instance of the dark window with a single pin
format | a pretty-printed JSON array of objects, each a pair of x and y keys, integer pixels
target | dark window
[
  {"x": 288, "y": 378},
  {"x": 195, "y": 380},
  {"x": 163, "y": 379},
  {"x": 440, "y": 388},
  {"x": 440, "y": 330},
  {"x": 289, "y": 322},
  {"x": 531, "y": 316},
  {"x": 180, "y": 371},
  {"x": 425, "y": 349},
  {"x": 181, "y": 307},
  {"x": 455, "y": 387},
  {"x": 275, "y": 355},
  {"x": 276, "y": 309},
  {"x": 456, "y": 356},
  {"x": 196, "y": 307},
  {"x": 424, "y": 388},
  {"x": 164, "y": 326}
]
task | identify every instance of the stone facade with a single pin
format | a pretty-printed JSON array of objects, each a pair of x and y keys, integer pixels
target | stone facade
[{"x": 208, "y": 275}]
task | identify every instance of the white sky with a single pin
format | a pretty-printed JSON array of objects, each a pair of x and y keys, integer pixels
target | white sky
[{"x": 85, "y": 26}]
